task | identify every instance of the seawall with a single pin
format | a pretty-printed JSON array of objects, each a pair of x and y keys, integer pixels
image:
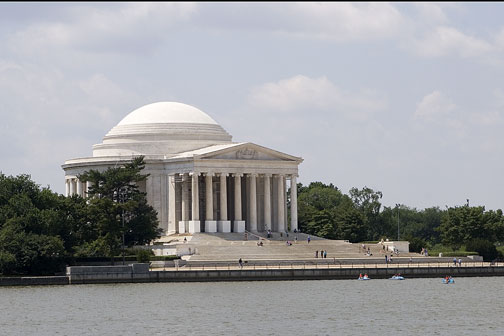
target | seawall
[{"x": 139, "y": 273}]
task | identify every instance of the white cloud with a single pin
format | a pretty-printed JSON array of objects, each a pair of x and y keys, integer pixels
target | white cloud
[
  {"x": 337, "y": 21},
  {"x": 304, "y": 94},
  {"x": 345, "y": 21},
  {"x": 434, "y": 106},
  {"x": 444, "y": 41},
  {"x": 430, "y": 12},
  {"x": 131, "y": 25}
]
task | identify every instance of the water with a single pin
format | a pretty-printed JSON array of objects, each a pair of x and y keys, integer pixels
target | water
[{"x": 471, "y": 306}]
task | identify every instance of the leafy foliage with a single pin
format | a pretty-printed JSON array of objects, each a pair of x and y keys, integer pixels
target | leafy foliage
[
  {"x": 324, "y": 211},
  {"x": 485, "y": 248},
  {"x": 40, "y": 230},
  {"x": 119, "y": 209}
]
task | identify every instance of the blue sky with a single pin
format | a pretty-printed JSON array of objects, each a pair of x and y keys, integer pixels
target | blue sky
[{"x": 405, "y": 98}]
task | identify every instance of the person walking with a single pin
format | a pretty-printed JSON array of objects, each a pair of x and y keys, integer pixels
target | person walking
[
  {"x": 308, "y": 239},
  {"x": 240, "y": 262},
  {"x": 316, "y": 254}
]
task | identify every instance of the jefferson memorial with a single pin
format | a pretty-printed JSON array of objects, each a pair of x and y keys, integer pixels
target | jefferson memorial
[{"x": 199, "y": 179}]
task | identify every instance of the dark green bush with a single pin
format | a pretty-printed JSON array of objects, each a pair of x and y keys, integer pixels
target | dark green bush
[
  {"x": 143, "y": 256},
  {"x": 485, "y": 248},
  {"x": 416, "y": 244}
]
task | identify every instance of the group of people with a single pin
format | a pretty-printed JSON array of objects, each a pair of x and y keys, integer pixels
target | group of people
[
  {"x": 424, "y": 252},
  {"x": 455, "y": 261},
  {"x": 388, "y": 259},
  {"x": 323, "y": 254},
  {"x": 367, "y": 251},
  {"x": 448, "y": 279}
]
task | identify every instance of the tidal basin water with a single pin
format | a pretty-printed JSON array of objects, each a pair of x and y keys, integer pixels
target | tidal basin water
[{"x": 471, "y": 306}]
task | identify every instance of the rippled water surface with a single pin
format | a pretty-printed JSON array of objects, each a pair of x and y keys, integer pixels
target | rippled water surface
[{"x": 471, "y": 306}]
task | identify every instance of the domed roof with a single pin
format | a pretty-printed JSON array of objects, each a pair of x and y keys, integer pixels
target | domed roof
[
  {"x": 167, "y": 112},
  {"x": 162, "y": 129}
]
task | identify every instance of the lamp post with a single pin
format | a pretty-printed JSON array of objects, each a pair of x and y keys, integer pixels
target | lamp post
[
  {"x": 398, "y": 205},
  {"x": 123, "y": 192}
]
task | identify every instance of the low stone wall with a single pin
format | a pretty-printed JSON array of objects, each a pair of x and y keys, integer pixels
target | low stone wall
[
  {"x": 320, "y": 274},
  {"x": 107, "y": 274},
  {"x": 281, "y": 274},
  {"x": 139, "y": 273},
  {"x": 34, "y": 281}
]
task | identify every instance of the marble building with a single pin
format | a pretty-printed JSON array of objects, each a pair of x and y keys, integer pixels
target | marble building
[{"x": 199, "y": 180}]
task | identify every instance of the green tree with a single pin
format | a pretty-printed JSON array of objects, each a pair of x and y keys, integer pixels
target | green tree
[
  {"x": 117, "y": 209},
  {"x": 316, "y": 208},
  {"x": 462, "y": 224},
  {"x": 367, "y": 202},
  {"x": 350, "y": 225},
  {"x": 485, "y": 248},
  {"x": 322, "y": 224},
  {"x": 33, "y": 229}
]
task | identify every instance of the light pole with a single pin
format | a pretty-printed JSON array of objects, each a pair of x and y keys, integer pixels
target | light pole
[
  {"x": 398, "y": 205},
  {"x": 122, "y": 197}
]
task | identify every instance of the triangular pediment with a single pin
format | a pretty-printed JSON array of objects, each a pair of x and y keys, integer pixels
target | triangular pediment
[{"x": 247, "y": 151}]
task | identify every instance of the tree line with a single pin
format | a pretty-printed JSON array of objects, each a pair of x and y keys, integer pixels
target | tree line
[
  {"x": 41, "y": 231},
  {"x": 323, "y": 210}
]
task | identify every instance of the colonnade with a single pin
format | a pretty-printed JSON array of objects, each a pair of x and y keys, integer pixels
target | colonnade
[
  {"x": 73, "y": 186},
  {"x": 230, "y": 202},
  {"x": 215, "y": 202}
]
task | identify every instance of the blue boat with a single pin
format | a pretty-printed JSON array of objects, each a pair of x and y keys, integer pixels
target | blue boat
[
  {"x": 449, "y": 281},
  {"x": 397, "y": 277}
]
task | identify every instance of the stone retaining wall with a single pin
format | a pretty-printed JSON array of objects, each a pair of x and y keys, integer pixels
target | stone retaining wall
[
  {"x": 137, "y": 274},
  {"x": 34, "y": 281}
]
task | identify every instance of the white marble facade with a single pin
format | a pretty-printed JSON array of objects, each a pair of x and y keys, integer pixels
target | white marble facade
[{"x": 199, "y": 180}]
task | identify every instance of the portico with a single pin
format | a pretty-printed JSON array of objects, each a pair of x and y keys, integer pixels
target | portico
[{"x": 216, "y": 186}]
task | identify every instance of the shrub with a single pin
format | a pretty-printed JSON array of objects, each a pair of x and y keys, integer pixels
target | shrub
[
  {"x": 485, "y": 248},
  {"x": 416, "y": 244},
  {"x": 143, "y": 256}
]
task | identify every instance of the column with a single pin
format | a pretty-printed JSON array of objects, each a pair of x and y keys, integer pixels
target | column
[
  {"x": 223, "y": 225},
  {"x": 172, "y": 205},
  {"x": 185, "y": 206},
  {"x": 194, "y": 223},
  {"x": 210, "y": 222},
  {"x": 253, "y": 202},
  {"x": 163, "y": 203},
  {"x": 267, "y": 202},
  {"x": 238, "y": 224},
  {"x": 67, "y": 187},
  {"x": 281, "y": 204},
  {"x": 72, "y": 186},
  {"x": 89, "y": 184},
  {"x": 79, "y": 187},
  {"x": 195, "y": 196},
  {"x": 293, "y": 203}
]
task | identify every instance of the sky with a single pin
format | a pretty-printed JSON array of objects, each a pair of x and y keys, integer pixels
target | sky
[{"x": 403, "y": 98}]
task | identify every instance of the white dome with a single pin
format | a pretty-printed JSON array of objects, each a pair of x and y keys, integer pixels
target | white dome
[
  {"x": 167, "y": 112},
  {"x": 162, "y": 129}
]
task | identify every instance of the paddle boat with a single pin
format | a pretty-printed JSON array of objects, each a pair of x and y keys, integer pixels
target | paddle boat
[
  {"x": 397, "y": 277},
  {"x": 448, "y": 280},
  {"x": 365, "y": 277}
]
